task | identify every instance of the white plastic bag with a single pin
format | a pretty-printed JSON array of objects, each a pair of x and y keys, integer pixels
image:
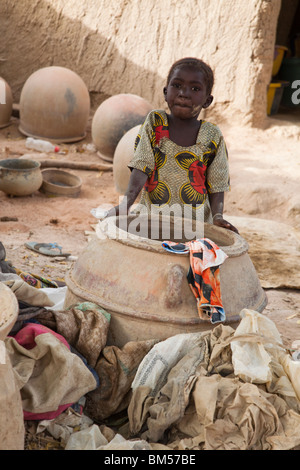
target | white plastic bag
[
  {"x": 292, "y": 370},
  {"x": 87, "y": 439},
  {"x": 255, "y": 341}
]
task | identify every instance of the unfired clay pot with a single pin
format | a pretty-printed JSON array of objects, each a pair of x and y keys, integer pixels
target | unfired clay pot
[
  {"x": 20, "y": 177},
  {"x": 113, "y": 118},
  {"x": 145, "y": 288},
  {"x": 122, "y": 156},
  {"x": 6, "y": 103},
  {"x": 54, "y": 105}
]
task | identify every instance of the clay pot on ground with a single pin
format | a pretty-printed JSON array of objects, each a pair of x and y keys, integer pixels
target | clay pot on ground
[
  {"x": 113, "y": 118},
  {"x": 20, "y": 177},
  {"x": 60, "y": 183},
  {"x": 122, "y": 157},
  {"x": 54, "y": 105},
  {"x": 12, "y": 432},
  {"x": 145, "y": 288},
  {"x": 6, "y": 103}
]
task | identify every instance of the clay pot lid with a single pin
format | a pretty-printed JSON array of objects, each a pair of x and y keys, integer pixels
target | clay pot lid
[{"x": 60, "y": 183}]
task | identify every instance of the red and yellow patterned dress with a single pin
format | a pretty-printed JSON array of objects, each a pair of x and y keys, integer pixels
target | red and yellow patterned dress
[{"x": 180, "y": 177}]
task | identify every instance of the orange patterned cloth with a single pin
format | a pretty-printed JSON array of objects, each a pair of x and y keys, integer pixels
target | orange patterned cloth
[{"x": 203, "y": 275}]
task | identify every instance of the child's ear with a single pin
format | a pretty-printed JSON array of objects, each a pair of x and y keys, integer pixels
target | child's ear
[
  {"x": 208, "y": 101},
  {"x": 165, "y": 92}
]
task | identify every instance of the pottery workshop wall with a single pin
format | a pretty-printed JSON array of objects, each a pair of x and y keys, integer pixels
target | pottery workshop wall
[{"x": 127, "y": 46}]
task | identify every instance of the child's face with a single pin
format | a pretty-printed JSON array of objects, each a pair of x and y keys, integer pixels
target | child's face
[{"x": 186, "y": 93}]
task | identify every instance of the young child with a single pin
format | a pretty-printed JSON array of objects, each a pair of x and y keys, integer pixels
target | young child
[{"x": 179, "y": 160}]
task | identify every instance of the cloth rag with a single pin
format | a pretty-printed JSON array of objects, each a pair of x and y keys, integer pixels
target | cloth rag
[{"x": 203, "y": 275}]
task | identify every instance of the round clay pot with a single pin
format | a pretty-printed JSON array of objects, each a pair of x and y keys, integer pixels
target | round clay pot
[
  {"x": 60, "y": 183},
  {"x": 6, "y": 103},
  {"x": 113, "y": 118},
  {"x": 20, "y": 177},
  {"x": 144, "y": 287},
  {"x": 55, "y": 105},
  {"x": 122, "y": 157}
]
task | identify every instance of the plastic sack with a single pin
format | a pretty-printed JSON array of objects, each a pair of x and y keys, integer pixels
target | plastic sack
[
  {"x": 93, "y": 439},
  {"x": 12, "y": 431},
  {"x": 87, "y": 439},
  {"x": 255, "y": 341},
  {"x": 156, "y": 365},
  {"x": 292, "y": 370}
]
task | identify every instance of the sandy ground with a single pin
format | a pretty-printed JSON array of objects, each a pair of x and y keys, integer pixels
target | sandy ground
[{"x": 265, "y": 175}]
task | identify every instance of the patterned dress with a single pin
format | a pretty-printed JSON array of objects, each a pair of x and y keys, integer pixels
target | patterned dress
[{"x": 180, "y": 177}]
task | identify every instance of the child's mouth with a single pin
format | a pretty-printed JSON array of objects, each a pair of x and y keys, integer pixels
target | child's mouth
[{"x": 182, "y": 105}]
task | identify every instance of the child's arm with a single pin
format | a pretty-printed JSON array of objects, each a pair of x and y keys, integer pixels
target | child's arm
[
  {"x": 216, "y": 201},
  {"x": 136, "y": 182}
]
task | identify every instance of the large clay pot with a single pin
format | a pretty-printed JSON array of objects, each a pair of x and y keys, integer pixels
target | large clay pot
[
  {"x": 145, "y": 289},
  {"x": 6, "y": 103},
  {"x": 113, "y": 118},
  {"x": 55, "y": 105},
  {"x": 20, "y": 177},
  {"x": 122, "y": 156},
  {"x": 12, "y": 432}
]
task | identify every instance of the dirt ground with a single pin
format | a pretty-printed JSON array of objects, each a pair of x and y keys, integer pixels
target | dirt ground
[{"x": 265, "y": 175}]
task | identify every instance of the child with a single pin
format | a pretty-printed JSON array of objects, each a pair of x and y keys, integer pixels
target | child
[{"x": 179, "y": 160}]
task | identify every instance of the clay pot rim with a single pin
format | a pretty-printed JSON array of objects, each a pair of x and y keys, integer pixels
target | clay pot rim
[
  {"x": 8, "y": 123},
  {"x": 108, "y": 228},
  {"x": 51, "y": 188},
  {"x": 32, "y": 164},
  {"x": 53, "y": 139}
]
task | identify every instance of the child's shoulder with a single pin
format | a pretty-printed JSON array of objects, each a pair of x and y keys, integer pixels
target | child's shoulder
[
  {"x": 157, "y": 117},
  {"x": 211, "y": 125},
  {"x": 212, "y": 129},
  {"x": 154, "y": 113}
]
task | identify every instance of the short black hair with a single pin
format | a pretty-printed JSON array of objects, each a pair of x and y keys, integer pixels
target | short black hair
[{"x": 198, "y": 64}]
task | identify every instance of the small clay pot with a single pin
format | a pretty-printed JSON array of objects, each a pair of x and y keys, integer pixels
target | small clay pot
[
  {"x": 20, "y": 177},
  {"x": 113, "y": 118},
  {"x": 54, "y": 105},
  {"x": 60, "y": 183}
]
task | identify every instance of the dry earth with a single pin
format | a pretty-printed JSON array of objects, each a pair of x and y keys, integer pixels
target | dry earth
[{"x": 265, "y": 175}]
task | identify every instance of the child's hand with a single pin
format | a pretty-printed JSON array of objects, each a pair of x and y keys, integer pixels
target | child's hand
[{"x": 220, "y": 222}]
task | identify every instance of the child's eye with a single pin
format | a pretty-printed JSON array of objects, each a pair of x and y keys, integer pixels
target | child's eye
[
  {"x": 196, "y": 88},
  {"x": 176, "y": 85}
]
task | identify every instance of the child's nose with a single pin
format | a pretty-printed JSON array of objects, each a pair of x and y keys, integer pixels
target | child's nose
[{"x": 184, "y": 91}]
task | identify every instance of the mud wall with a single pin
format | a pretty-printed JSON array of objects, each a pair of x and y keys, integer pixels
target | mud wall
[{"x": 127, "y": 46}]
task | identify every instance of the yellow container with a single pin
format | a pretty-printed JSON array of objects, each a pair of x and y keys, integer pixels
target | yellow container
[{"x": 278, "y": 57}]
